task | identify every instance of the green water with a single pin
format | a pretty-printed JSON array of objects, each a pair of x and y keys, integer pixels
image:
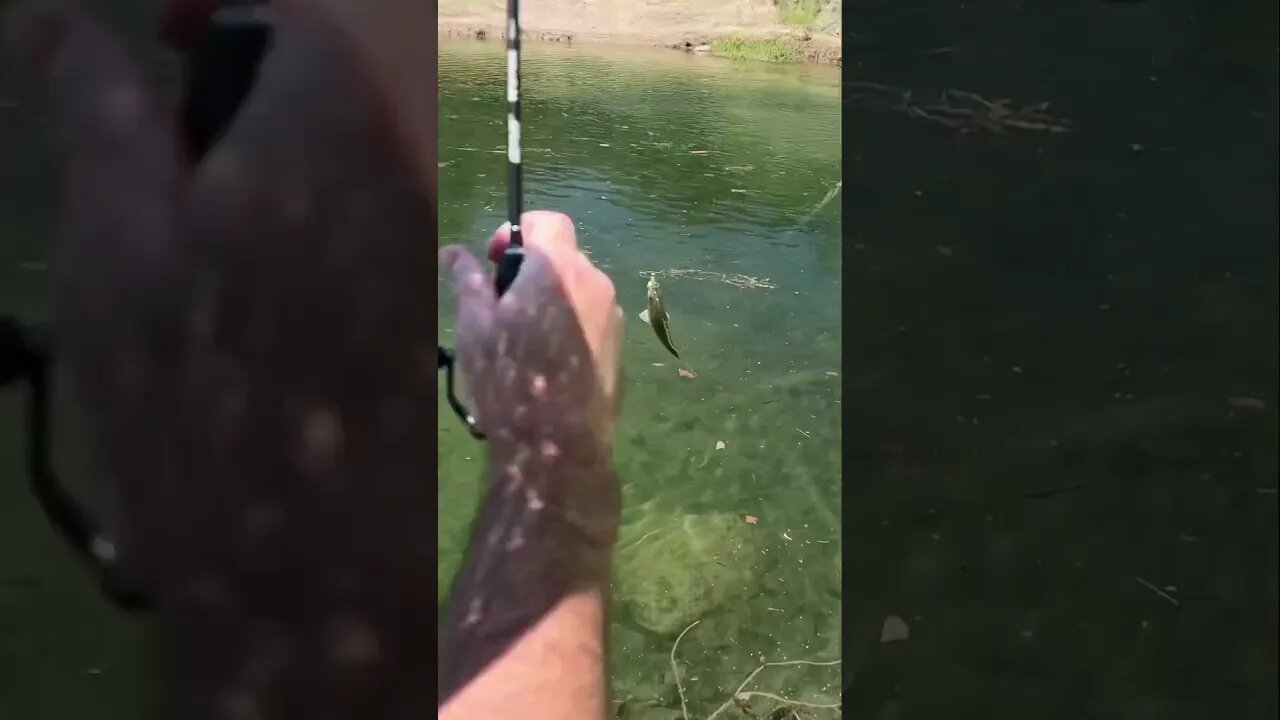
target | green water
[
  {"x": 669, "y": 161},
  {"x": 1093, "y": 313}
]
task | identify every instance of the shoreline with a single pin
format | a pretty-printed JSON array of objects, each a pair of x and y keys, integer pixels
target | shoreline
[{"x": 814, "y": 48}]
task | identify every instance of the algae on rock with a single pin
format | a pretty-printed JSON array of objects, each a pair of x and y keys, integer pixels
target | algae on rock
[{"x": 676, "y": 574}]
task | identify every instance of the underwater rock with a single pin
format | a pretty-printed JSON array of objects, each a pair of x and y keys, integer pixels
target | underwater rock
[
  {"x": 894, "y": 629},
  {"x": 677, "y": 574}
]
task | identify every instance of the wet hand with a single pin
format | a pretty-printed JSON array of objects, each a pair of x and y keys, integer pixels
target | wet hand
[{"x": 542, "y": 359}]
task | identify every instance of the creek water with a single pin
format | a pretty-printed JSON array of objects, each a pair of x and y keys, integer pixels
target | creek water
[
  {"x": 1061, "y": 362},
  {"x": 669, "y": 162}
]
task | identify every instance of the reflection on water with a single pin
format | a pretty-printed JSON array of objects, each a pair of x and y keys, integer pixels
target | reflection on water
[
  {"x": 674, "y": 162},
  {"x": 1061, "y": 369}
]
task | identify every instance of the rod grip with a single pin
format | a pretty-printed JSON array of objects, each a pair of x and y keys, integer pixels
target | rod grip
[{"x": 508, "y": 268}]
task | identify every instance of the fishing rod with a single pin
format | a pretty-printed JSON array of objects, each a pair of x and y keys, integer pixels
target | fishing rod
[
  {"x": 509, "y": 262},
  {"x": 512, "y": 257}
]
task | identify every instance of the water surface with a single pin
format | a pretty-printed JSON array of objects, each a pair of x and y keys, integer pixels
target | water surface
[
  {"x": 668, "y": 161},
  {"x": 1061, "y": 366}
]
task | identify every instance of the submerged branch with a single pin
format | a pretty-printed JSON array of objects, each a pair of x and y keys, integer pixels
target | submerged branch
[
  {"x": 961, "y": 110},
  {"x": 742, "y": 695},
  {"x": 675, "y": 670}
]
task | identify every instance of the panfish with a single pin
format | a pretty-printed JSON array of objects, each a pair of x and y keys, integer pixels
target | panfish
[{"x": 656, "y": 316}]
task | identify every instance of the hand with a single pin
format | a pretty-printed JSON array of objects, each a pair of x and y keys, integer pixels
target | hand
[
  {"x": 546, "y": 354},
  {"x": 248, "y": 338}
]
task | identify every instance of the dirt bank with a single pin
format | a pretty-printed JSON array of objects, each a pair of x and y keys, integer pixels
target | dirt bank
[{"x": 687, "y": 25}]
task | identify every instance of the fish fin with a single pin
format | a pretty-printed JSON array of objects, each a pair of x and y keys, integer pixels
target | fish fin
[{"x": 644, "y": 315}]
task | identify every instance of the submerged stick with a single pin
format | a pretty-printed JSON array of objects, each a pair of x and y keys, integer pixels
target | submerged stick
[
  {"x": 1158, "y": 591},
  {"x": 675, "y": 670},
  {"x": 826, "y": 199},
  {"x": 739, "y": 694}
]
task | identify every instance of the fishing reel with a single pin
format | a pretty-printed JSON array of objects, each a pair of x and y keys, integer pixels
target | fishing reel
[
  {"x": 26, "y": 353},
  {"x": 446, "y": 363},
  {"x": 508, "y": 266}
]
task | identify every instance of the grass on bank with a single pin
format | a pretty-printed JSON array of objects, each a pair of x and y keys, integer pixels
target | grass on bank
[
  {"x": 801, "y": 13},
  {"x": 740, "y": 48}
]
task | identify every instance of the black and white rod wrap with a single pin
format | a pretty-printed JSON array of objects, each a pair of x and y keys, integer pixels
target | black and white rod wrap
[{"x": 509, "y": 263}]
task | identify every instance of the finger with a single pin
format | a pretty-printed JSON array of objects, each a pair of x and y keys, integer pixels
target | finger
[
  {"x": 472, "y": 288},
  {"x": 35, "y": 30},
  {"x": 116, "y": 144},
  {"x": 610, "y": 350},
  {"x": 396, "y": 54},
  {"x": 120, "y": 171},
  {"x": 551, "y": 232},
  {"x": 499, "y": 242},
  {"x": 337, "y": 235},
  {"x": 102, "y": 106},
  {"x": 559, "y": 294},
  {"x": 552, "y": 240}
]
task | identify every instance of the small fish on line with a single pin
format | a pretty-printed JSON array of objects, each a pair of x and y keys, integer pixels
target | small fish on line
[{"x": 656, "y": 316}]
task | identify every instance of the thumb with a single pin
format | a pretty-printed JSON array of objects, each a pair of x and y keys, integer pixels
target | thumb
[
  {"x": 99, "y": 100},
  {"x": 118, "y": 151},
  {"x": 473, "y": 289}
]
